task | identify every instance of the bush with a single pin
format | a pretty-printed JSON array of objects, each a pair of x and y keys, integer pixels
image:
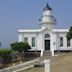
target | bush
[
  {"x": 69, "y": 34},
  {"x": 5, "y": 55},
  {"x": 15, "y": 46},
  {"x": 26, "y": 46},
  {"x": 20, "y": 46}
]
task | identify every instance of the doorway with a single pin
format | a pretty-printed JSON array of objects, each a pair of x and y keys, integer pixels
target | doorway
[{"x": 47, "y": 44}]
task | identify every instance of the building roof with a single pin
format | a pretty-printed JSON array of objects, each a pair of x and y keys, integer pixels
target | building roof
[
  {"x": 47, "y": 7},
  {"x": 60, "y": 30},
  {"x": 39, "y": 30},
  {"x": 29, "y": 30}
]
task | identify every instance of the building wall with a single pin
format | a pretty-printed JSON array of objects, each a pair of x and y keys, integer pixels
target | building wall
[
  {"x": 39, "y": 40},
  {"x": 64, "y": 47},
  {"x": 20, "y": 36},
  {"x": 29, "y": 36},
  {"x": 57, "y": 41},
  {"x": 54, "y": 43}
]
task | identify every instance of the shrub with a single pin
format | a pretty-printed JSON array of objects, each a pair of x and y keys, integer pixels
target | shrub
[
  {"x": 69, "y": 34},
  {"x": 26, "y": 46},
  {"x": 20, "y": 46},
  {"x": 5, "y": 55},
  {"x": 15, "y": 46}
]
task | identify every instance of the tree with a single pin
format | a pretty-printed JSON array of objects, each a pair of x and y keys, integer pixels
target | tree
[
  {"x": 20, "y": 46},
  {"x": 69, "y": 34}
]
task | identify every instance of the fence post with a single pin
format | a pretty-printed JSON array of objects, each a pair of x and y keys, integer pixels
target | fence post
[{"x": 46, "y": 65}]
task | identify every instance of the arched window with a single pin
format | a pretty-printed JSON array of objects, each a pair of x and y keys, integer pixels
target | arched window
[{"x": 47, "y": 36}]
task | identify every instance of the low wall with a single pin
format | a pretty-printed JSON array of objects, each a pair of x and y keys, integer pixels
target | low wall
[{"x": 16, "y": 67}]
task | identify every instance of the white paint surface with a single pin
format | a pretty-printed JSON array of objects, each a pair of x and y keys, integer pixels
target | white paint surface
[
  {"x": 46, "y": 65},
  {"x": 47, "y": 24}
]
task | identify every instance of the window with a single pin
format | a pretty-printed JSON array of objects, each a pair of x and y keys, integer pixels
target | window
[
  {"x": 25, "y": 39},
  {"x": 68, "y": 43},
  {"x": 33, "y": 41},
  {"x": 47, "y": 36},
  {"x": 61, "y": 41}
]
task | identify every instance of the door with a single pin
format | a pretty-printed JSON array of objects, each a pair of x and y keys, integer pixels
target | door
[{"x": 47, "y": 44}]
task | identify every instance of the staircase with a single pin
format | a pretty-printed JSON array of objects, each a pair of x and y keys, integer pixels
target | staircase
[{"x": 46, "y": 55}]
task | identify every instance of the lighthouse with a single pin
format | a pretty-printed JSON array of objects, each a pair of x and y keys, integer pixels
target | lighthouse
[{"x": 47, "y": 19}]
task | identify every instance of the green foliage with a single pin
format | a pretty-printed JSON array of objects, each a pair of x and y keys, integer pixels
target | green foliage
[
  {"x": 20, "y": 46},
  {"x": 15, "y": 46},
  {"x": 5, "y": 54},
  {"x": 69, "y": 34}
]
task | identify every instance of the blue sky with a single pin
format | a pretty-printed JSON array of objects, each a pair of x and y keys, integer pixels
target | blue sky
[{"x": 17, "y": 14}]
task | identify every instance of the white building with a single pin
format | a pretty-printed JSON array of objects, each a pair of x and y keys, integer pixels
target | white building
[{"x": 46, "y": 38}]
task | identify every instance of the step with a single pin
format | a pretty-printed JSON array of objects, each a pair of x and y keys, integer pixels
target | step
[{"x": 47, "y": 53}]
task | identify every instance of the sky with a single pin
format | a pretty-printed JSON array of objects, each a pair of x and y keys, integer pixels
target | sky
[{"x": 24, "y": 14}]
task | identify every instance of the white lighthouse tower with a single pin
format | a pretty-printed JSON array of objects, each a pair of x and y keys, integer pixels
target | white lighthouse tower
[{"x": 47, "y": 20}]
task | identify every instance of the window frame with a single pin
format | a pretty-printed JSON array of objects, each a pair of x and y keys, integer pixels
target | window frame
[
  {"x": 68, "y": 43},
  {"x": 61, "y": 41},
  {"x": 47, "y": 36},
  {"x": 33, "y": 42}
]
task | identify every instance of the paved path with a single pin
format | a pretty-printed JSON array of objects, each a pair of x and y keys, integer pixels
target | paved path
[
  {"x": 19, "y": 66},
  {"x": 39, "y": 60}
]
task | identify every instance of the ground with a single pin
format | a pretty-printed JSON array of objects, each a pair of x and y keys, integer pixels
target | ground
[{"x": 61, "y": 63}]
